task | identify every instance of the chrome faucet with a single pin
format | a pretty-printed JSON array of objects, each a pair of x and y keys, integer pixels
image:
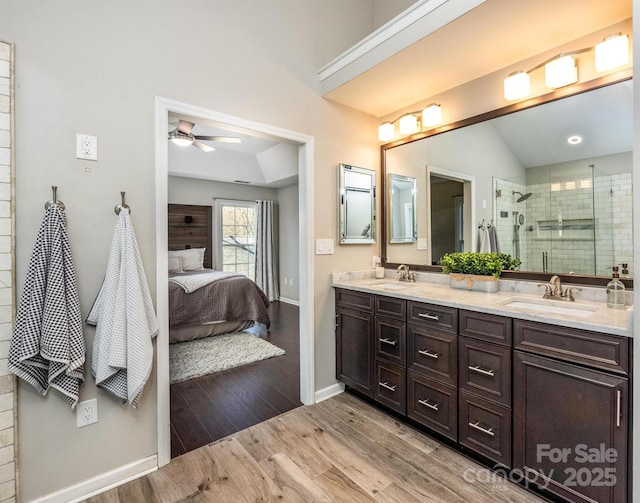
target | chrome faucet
[
  {"x": 405, "y": 275},
  {"x": 553, "y": 290}
]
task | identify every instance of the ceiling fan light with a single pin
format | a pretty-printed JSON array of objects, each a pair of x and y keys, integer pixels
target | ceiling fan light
[
  {"x": 386, "y": 131},
  {"x": 182, "y": 142},
  {"x": 408, "y": 124},
  {"x": 560, "y": 72},
  {"x": 432, "y": 115},
  {"x": 517, "y": 85},
  {"x": 612, "y": 52}
]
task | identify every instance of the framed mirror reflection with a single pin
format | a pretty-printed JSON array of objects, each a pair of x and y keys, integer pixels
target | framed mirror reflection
[
  {"x": 357, "y": 204},
  {"x": 554, "y": 179}
]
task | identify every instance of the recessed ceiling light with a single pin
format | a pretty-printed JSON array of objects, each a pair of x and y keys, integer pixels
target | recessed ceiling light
[{"x": 574, "y": 140}]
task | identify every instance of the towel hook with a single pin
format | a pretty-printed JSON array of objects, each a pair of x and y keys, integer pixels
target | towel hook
[
  {"x": 122, "y": 205},
  {"x": 54, "y": 200}
]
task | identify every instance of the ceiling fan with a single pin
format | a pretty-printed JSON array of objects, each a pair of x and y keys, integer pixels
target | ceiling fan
[{"x": 183, "y": 136}]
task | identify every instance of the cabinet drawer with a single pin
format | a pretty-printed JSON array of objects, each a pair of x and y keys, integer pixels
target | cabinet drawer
[
  {"x": 485, "y": 428},
  {"x": 433, "y": 404},
  {"x": 488, "y": 327},
  {"x": 485, "y": 370},
  {"x": 601, "y": 351},
  {"x": 390, "y": 307},
  {"x": 439, "y": 317},
  {"x": 433, "y": 353},
  {"x": 354, "y": 300},
  {"x": 390, "y": 340},
  {"x": 390, "y": 386}
]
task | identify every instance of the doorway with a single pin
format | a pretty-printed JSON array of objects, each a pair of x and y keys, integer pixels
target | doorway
[{"x": 304, "y": 145}]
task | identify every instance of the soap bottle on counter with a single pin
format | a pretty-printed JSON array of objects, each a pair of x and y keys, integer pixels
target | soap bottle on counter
[{"x": 615, "y": 291}]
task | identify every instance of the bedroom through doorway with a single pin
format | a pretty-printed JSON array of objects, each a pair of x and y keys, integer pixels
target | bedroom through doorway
[{"x": 211, "y": 230}]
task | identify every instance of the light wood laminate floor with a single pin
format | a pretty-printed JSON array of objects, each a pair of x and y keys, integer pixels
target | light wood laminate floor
[{"x": 340, "y": 450}]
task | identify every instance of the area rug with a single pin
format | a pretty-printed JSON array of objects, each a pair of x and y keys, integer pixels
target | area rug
[{"x": 199, "y": 357}]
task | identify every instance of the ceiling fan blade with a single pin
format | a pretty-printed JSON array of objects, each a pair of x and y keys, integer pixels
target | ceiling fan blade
[
  {"x": 223, "y": 139},
  {"x": 202, "y": 146},
  {"x": 185, "y": 126}
]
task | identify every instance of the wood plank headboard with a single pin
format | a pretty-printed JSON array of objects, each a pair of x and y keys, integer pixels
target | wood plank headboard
[{"x": 190, "y": 226}]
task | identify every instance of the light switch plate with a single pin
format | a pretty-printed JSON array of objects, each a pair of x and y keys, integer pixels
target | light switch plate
[
  {"x": 324, "y": 246},
  {"x": 422, "y": 244}
]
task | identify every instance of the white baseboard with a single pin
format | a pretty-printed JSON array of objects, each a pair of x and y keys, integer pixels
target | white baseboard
[
  {"x": 329, "y": 391},
  {"x": 289, "y": 301},
  {"x": 103, "y": 482}
]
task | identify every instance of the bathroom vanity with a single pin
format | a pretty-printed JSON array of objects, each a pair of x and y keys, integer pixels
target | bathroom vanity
[{"x": 539, "y": 387}]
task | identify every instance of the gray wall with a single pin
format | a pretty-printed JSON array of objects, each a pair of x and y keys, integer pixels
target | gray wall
[
  {"x": 288, "y": 242},
  {"x": 96, "y": 68}
]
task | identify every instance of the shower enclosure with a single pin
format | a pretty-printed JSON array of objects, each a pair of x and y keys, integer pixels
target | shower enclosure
[{"x": 568, "y": 219}]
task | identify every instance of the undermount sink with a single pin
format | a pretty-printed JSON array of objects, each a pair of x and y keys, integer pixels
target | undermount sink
[
  {"x": 551, "y": 307},
  {"x": 392, "y": 286}
]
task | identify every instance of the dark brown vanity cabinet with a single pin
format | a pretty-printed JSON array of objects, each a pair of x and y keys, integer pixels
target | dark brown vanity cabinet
[
  {"x": 432, "y": 362},
  {"x": 354, "y": 340},
  {"x": 390, "y": 358},
  {"x": 571, "y": 400},
  {"x": 484, "y": 381}
]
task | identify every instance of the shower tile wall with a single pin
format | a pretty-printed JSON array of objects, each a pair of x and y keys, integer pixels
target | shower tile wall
[{"x": 611, "y": 197}]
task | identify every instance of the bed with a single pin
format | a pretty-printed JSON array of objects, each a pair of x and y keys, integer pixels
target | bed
[{"x": 221, "y": 303}]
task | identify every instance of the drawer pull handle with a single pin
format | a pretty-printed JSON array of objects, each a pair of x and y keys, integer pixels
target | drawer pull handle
[
  {"x": 429, "y": 354},
  {"x": 388, "y": 341},
  {"x": 434, "y": 406},
  {"x": 618, "y": 406},
  {"x": 477, "y": 426},
  {"x": 387, "y": 386},
  {"x": 429, "y": 316},
  {"x": 477, "y": 369}
]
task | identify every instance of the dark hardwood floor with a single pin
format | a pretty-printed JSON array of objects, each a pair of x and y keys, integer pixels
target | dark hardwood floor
[{"x": 211, "y": 407}]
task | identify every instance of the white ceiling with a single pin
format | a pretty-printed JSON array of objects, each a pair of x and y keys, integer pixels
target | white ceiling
[{"x": 490, "y": 37}]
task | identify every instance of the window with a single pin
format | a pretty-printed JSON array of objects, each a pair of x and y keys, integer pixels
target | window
[{"x": 236, "y": 237}]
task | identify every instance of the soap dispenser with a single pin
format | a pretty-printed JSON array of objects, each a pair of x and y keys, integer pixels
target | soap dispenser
[{"x": 615, "y": 291}]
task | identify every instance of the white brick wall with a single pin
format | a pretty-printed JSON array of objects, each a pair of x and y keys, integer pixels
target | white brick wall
[{"x": 8, "y": 464}]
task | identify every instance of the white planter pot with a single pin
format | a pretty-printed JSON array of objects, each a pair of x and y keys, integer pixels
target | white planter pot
[{"x": 487, "y": 284}]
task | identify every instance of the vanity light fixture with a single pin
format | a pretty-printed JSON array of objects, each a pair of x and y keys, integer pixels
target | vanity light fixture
[
  {"x": 562, "y": 70},
  {"x": 408, "y": 124},
  {"x": 612, "y": 52},
  {"x": 411, "y": 122},
  {"x": 432, "y": 115}
]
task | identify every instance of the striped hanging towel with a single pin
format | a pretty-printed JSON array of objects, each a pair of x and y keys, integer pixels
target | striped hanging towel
[
  {"x": 124, "y": 318},
  {"x": 47, "y": 347}
]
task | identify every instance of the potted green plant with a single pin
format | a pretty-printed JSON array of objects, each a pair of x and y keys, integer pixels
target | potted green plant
[{"x": 477, "y": 271}]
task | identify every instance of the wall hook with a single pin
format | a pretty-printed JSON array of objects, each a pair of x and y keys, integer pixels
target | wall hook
[
  {"x": 54, "y": 200},
  {"x": 122, "y": 205}
]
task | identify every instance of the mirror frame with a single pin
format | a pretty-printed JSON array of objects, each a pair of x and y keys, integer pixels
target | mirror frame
[
  {"x": 516, "y": 107},
  {"x": 413, "y": 237},
  {"x": 342, "y": 206}
]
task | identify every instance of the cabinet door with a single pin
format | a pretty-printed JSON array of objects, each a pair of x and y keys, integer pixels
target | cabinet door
[
  {"x": 354, "y": 349},
  {"x": 570, "y": 429}
]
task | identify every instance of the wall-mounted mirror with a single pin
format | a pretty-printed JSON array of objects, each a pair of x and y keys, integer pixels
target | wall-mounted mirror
[
  {"x": 402, "y": 209},
  {"x": 549, "y": 198},
  {"x": 357, "y": 202}
]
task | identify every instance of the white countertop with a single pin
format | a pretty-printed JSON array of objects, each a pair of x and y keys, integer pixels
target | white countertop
[{"x": 435, "y": 288}]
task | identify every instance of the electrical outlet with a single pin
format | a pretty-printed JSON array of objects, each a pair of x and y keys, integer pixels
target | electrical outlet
[
  {"x": 86, "y": 147},
  {"x": 87, "y": 412}
]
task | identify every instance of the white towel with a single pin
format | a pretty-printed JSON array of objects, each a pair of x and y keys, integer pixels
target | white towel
[
  {"x": 125, "y": 320},
  {"x": 484, "y": 242},
  {"x": 47, "y": 347}
]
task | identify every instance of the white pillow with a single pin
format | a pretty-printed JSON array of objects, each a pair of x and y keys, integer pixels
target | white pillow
[
  {"x": 192, "y": 259},
  {"x": 175, "y": 264}
]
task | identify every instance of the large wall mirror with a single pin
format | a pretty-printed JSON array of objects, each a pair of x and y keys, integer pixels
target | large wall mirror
[
  {"x": 357, "y": 203},
  {"x": 553, "y": 178}
]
